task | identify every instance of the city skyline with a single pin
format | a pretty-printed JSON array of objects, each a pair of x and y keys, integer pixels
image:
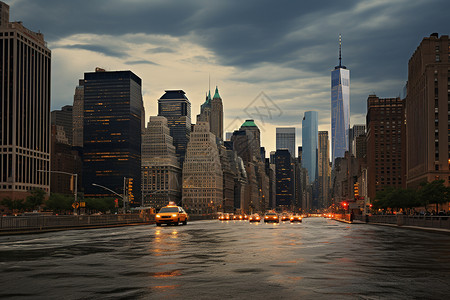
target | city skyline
[{"x": 288, "y": 60}]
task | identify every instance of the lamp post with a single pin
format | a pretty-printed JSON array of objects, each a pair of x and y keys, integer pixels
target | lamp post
[
  {"x": 75, "y": 175},
  {"x": 108, "y": 189}
]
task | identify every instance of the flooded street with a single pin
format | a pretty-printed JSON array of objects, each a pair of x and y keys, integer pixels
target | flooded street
[{"x": 317, "y": 259}]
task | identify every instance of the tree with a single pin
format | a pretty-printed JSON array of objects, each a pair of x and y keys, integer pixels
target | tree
[
  {"x": 100, "y": 204},
  {"x": 434, "y": 192},
  {"x": 35, "y": 200},
  {"x": 59, "y": 202},
  {"x": 13, "y": 205}
]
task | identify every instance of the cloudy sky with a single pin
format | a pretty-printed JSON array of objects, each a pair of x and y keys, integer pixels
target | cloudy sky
[{"x": 270, "y": 59}]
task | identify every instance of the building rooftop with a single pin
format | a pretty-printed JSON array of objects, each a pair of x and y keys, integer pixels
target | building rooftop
[
  {"x": 174, "y": 94},
  {"x": 249, "y": 123}
]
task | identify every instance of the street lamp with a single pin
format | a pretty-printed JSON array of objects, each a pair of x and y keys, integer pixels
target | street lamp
[
  {"x": 108, "y": 189},
  {"x": 75, "y": 175}
]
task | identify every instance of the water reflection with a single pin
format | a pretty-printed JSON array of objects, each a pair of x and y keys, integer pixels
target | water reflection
[{"x": 209, "y": 259}]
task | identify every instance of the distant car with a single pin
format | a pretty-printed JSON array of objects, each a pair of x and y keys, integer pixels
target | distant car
[
  {"x": 285, "y": 217},
  {"x": 225, "y": 217},
  {"x": 271, "y": 217},
  {"x": 296, "y": 218},
  {"x": 171, "y": 214},
  {"x": 254, "y": 218}
]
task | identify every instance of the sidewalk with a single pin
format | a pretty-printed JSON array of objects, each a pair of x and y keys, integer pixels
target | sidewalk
[{"x": 430, "y": 229}]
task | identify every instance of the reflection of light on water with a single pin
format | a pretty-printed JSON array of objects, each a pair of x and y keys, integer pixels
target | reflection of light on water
[
  {"x": 158, "y": 232},
  {"x": 167, "y": 274},
  {"x": 165, "y": 287}
]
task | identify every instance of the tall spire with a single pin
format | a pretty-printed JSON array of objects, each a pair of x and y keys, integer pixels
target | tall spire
[
  {"x": 340, "y": 44},
  {"x": 216, "y": 94}
]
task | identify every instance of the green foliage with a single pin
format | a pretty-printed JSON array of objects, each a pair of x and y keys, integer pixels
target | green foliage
[
  {"x": 396, "y": 199},
  {"x": 434, "y": 192},
  {"x": 59, "y": 202},
  {"x": 35, "y": 199},
  {"x": 100, "y": 204},
  {"x": 13, "y": 205}
]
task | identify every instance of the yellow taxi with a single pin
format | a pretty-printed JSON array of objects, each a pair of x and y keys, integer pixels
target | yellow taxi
[
  {"x": 296, "y": 218},
  {"x": 271, "y": 216},
  {"x": 171, "y": 214},
  {"x": 254, "y": 218}
]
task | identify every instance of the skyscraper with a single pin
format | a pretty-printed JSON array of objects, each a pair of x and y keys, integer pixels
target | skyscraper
[
  {"x": 113, "y": 112},
  {"x": 77, "y": 114},
  {"x": 202, "y": 172},
  {"x": 24, "y": 110},
  {"x": 340, "y": 108},
  {"x": 310, "y": 129},
  {"x": 285, "y": 179},
  {"x": 385, "y": 142},
  {"x": 285, "y": 139},
  {"x": 324, "y": 165},
  {"x": 161, "y": 172},
  {"x": 175, "y": 106},
  {"x": 216, "y": 120},
  {"x": 211, "y": 111},
  {"x": 63, "y": 118},
  {"x": 354, "y": 132},
  {"x": 428, "y": 112}
]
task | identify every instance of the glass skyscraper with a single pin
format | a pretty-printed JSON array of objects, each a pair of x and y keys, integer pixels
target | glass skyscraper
[
  {"x": 286, "y": 139},
  {"x": 113, "y": 124},
  {"x": 340, "y": 109},
  {"x": 175, "y": 106},
  {"x": 310, "y": 136}
]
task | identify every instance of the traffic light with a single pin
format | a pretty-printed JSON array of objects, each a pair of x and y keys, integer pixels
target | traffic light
[
  {"x": 356, "y": 189},
  {"x": 130, "y": 186}
]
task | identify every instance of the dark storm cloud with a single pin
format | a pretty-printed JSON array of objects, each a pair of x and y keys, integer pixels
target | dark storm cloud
[
  {"x": 141, "y": 62},
  {"x": 157, "y": 50},
  {"x": 97, "y": 48},
  {"x": 378, "y": 36}
]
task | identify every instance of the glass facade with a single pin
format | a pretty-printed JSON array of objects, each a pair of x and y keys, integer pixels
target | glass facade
[
  {"x": 285, "y": 178},
  {"x": 310, "y": 135},
  {"x": 286, "y": 139},
  {"x": 113, "y": 112},
  {"x": 175, "y": 106},
  {"x": 340, "y": 111}
]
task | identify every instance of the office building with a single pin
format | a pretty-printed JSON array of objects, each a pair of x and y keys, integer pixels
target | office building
[
  {"x": 161, "y": 172},
  {"x": 323, "y": 168},
  {"x": 356, "y": 131},
  {"x": 24, "y": 110},
  {"x": 428, "y": 112},
  {"x": 285, "y": 179},
  {"x": 385, "y": 144},
  {"x": 63, "y": 118},
  {"x": 175, "y": 106},
  {"x": 340, "y": 108},
  {"x": 202, "y": 173},
  {"x": 216, "y": 121},
  {"x": 64, "y": 158},
  {"x": 310, "y": 135},
  {"x": 77, "y": 114},
  {"x": 285, "y": 139},
  {"x": 113, "y": 118}
]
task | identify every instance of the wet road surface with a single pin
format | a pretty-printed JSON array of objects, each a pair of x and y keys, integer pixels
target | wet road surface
[{"x": 317, "y": 259}]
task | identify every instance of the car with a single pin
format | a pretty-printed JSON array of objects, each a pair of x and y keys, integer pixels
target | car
[
  {"x": 271, "y": 217},
  {"x": 296, "y": 218},
  {"x": 171, "y": 214},
  {"x": 254, "y": 218},
  {"x": 285, "y": 217},
  {"x": 225, "y": 217}
]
